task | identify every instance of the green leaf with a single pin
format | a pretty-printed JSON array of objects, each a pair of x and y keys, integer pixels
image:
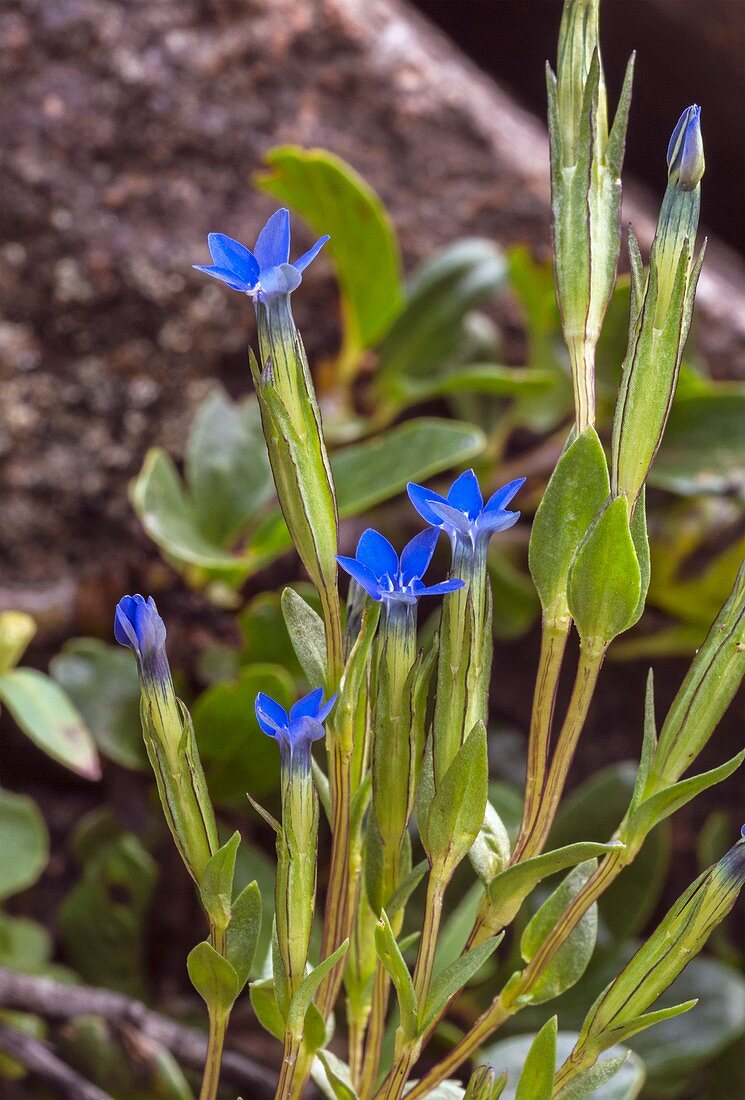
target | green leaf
[
  {"x": 429, "y": 333},
  {"x": 510, "y": 1054},
  {"x": 393, "y": 961},
  {"x": 490, "y": 851},
  {"x": 16, "y": 631},
  {"x": 668, "y": 801},
  {"x": 702, "y": 449},
  {"x": 635, "y": 1026},
  {"x": 306, "y": 631},
  {"x": 169, "y": 518},
  {"x": 315, "y": 1035},
  {"x": 213, "y": 977},
  {"x": 413, "y": 451},
  {"x": 486, "y": 378},
  {"x": 400, "y": 896},
  {"x": 577, "y": 490},
  {"x": 570, "y": 962},
  {"x": 454, "y": 977},
  {"x": 102, "y": 682},
  {"x": 306, "y": 991},
  {"x": 337, "y": 1077},
  {"x": 25, "y": 843},
  {"x": 226, "y": 467},
  {"x": 588, "y": 1082},
  {"x": 102, "y": 919},
  {"x": 243, "y": 932},
  {"x": 510, "y": 888},
  {"x": 43, "y": 711},
  {"x": 237, "y": 756},
  {"x": 605, "y": 579},
  {"x": 457, "y": 811},
  {"x": 25, "y": 945},
  {"x": 640, "y": 539},
  {"x": 537, "y": 1077},
  {"x": 265, "y": 1006},
  {"x": 216, "y": 884},
  {"x": 328, "y": 193}
]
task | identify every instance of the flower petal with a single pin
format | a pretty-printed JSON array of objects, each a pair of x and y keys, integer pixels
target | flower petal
[
  {"x": 325, "y": 710},
  {"x": 422, "y": 498},
  {"x": 375, "y": 551},
  {"x": 233, "y": 256},
  {"x": 272, "y": 246},
  {"x": 224, "y": 275},
  {"x": 440, "y": 589},
  {"x": 503, "y": 496},
  {"x": 490, "y": 522},
  {"x": 362, "y": 574},
  {"x": 417, "y": 554},
  {"x": 307, "y": 257},
  {"x": 465, "y": 494},
  {"x": 304, "y": 731},
  {"x": 308, "y": 705},
  {"x": 270, "y": 715},
  {"x": 138, "y": 625},
  {"x": 278, "y": 280},
  {"x": 452, "y": 518}
]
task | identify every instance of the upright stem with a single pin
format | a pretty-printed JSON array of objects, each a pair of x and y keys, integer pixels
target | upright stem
[
  {"x": 375, "y": 1031},
  {"x": 588, "y": 670},
  {"x": 553, "y": 646},
  {"x": 286, "y": 1085},
  {"x": 215, "y": 1041},
  {"x": 582, "y": 356},
  {"x": 338, "y": 915}
]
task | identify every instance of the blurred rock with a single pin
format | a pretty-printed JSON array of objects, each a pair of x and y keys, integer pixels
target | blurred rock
[{"x": 131, "y": 130}]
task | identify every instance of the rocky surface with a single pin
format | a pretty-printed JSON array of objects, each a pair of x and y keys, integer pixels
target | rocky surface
[{"x": 131, "y": 130}]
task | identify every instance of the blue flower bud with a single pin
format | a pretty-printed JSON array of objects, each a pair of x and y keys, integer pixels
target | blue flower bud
[
  {"x": 685, "y": 153},
  {"x": 266, "y": 272},
  {"x": 138, "y": 626}
]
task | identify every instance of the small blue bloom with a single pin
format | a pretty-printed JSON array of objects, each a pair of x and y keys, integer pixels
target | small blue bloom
[
  {"x": 685, "y": 153},
  {"x": 384, "y": 576},
  {"x": 296, "y": 731},
  {"x": 463, "y": 514},
  {"x": 138, "y": 625},
  {"x": 265, "y": 272}
]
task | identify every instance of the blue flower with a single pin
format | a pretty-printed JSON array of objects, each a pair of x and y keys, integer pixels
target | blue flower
[
  {"x": 384, "y": 576},
  {"x": 463, "y": 514},
  {"x": 296, "y": 731},
  {"x": 266, "y": 271},
  {"x": 685, "y": 153},
  {"x": 138, "y": 625}
]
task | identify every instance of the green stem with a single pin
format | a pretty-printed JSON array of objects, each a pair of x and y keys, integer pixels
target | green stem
[
  {"x": 215, "y": 1041},
  {"x": 553, "y": 646},
  {"x": 286, "y": 1088},
  {"x": 375, "y": 1031},
  {"x": 338, "y": 915},
  {"x": 582, "y": 358}
]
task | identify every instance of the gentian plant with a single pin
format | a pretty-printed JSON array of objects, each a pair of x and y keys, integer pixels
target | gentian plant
[{"x": 403, "y": 771}]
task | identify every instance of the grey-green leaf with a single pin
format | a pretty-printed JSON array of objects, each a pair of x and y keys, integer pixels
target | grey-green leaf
[
  {"x": 588, "y": 1082},
  {"x": 306, "y": 991},
  {"x": 244, "y": 931},
  {"x": 305, "y": 628},
  {"x": 216, "y": 885},
  {"x": 577, "y": 490},
  {"x": 25, "y": 843},
  {"x": 537, "y": 1077},
  {"x": 46, "y": 715},
  {"x": 393, "y": 961},
  {"x": 570, "y": 962},
  {"x": 453, "y": 978},
  {"x": 213, "y": 977},
  {"x": 456, "y": 813}
]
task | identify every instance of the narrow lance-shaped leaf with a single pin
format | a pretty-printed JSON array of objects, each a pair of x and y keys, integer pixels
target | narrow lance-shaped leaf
[
  {"x": 392, "y": 959},
  {"x": 537, "y": 1077}
]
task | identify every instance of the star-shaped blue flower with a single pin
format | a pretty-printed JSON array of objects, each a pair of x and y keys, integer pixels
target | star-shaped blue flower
[
  {"x": 385, "y": 577},
  {"x": 463, "y": 514},
  {"x": 265, "y": 272},
  {"x": 295, "y": 732},
  {"x": 138, "y": 626}
]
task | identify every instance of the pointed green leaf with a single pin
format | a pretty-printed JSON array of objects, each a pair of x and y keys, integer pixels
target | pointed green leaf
[
  {"x": 454, "y": 977},
  {"x": 390, "y": 955},
  {"x": 25, "y": 843},
  {"x": 649, "y": 1019},
  {"x": 640, "y": 539},
  {"x": 577, "y": 490},
  {"x": 537, "y": 1078},
  {"x": 649, "y": 742},
  {"x": 305, "y": 628},
  {"x": 510, "y": 888},
  {"x": 213, "y": 977},
  {"x": 337, "y": 1076},
  {"x": 588, "y": 1082},
  {"x": 306, "y": 991},
  {"x": 571, "y": 960},
  {"x": 43, "y": 711},
  {"x": 265, "y": 1006},
  {"x": 668, "y": 801},
  {"x": 458, "y": 807},
  {"x": 605, "y": 579},
  {"x": 400, "y": 896},
  {"x": 243, "y": 931},
  {"x": 216, "y": 884}
]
